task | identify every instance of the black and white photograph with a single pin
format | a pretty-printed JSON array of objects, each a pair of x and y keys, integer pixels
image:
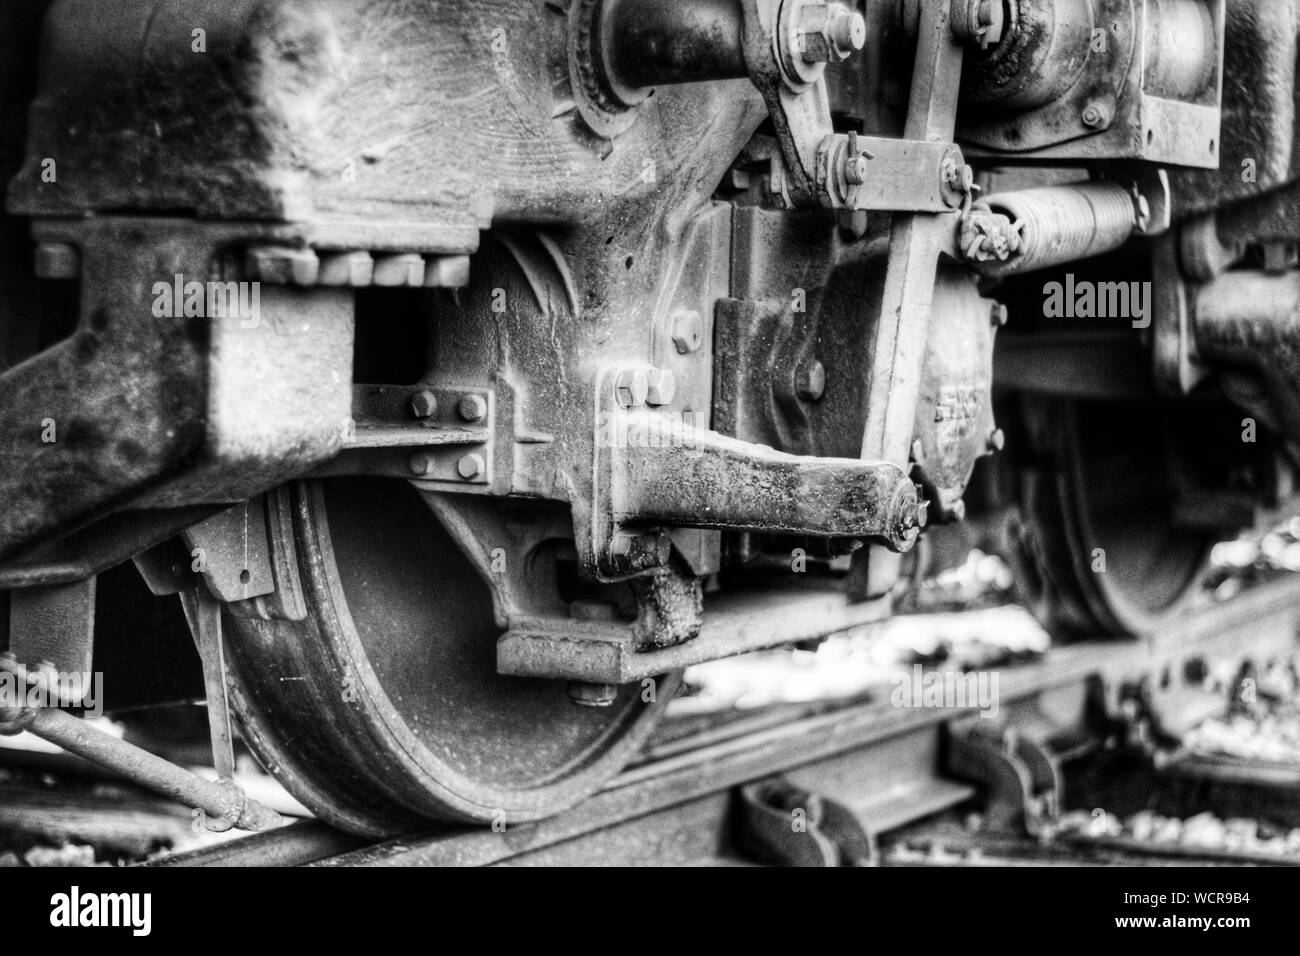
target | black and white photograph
[{"x": 650, "y": 433}]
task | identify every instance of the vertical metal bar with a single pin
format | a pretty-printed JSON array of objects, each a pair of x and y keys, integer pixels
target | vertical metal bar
[
  {"x": 205, "y": 621},
  {"x": 898, "y": 340}
]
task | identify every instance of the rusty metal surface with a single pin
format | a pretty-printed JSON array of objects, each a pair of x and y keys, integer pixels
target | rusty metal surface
[
  {"x": 846, "y": 753},
  {"x": 499, "y": 244},
  {"x": 133, "y": 401},
  {"x": 223, "y": 801},
  {"x": 703, "y": 479},
  {"x": 611, "y": 652},
  {"x": 1149, "y": 90}
]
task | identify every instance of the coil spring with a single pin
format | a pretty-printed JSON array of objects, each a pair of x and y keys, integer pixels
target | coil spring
[{"x": 1065, "y": 223}]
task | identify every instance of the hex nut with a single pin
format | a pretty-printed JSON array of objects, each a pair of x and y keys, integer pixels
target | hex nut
[
  {"x": 472, "y": 408},
  {"x": 424, "y": 404},
  {"x": 631, "y": 387},
  {"x": 283, "y": 265},
  {"x": 1097, "y": 114},
  {"x": 471, "y": 467},
  {"x": 661, "y": 387},
  {"x": 423, "y": 464}
]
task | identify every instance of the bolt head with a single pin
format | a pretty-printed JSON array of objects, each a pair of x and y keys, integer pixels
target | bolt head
[
  {"x": 905, "y": 516},
  {"x": 473, "y": 408},
  {"x": 810, "y": 381},
  {"x": 422, "y": 463},
  {"x": 997, "y": 440},
  {"x": 1096, "y": 114},
  {"x": 688, "y": 331},
  {"x": 424, "y": 404},
  {"x": 631, "y": 387},
  {"x": 639, "y": 552},
  {"x": 828, "y": 33},
  {"x": 471, "y": 466},
  {"x": 661, "y": 386},
  {"x": 998, "y": 314}
]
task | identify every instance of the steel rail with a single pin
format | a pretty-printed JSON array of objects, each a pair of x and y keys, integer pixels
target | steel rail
[{"x": 883, "y": 760}]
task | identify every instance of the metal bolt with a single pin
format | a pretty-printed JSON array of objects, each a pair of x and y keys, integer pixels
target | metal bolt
[
  {"x": 905, "y": 514},
  {"x": 446, "y": 272},
  {"x": 424, "y": 404},
  {"x": 472, "y": 408},
  {"x": 830, "y": 32},
  {"x": 998, "y": 314},
  {"x": 997, "y": 440},
  {"x": 960, "y": 176},
  {"x": 661, "y": 386},
  {"x": 810, "y": 381},
  {"x": 631, "y": 387},
  {"x": 349, "y": 269},
  {"x": 847, "y": 30},
  {"x": 1096, "y": 114},
  {"x": 471, "y": 467},
  {"x": 400, "y": 269},
  {"x": 422, "y": 463},
  {"x": 990, "y": 23},
  {"x": 592, "y": 695},
  {"x": 638, "y": 552},
  {"x": 688, "y": 331},
  {"x": 283, "y": 265}
]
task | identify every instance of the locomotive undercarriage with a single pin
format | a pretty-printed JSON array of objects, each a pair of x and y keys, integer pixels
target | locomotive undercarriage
[{"x": 469, "y": 370}]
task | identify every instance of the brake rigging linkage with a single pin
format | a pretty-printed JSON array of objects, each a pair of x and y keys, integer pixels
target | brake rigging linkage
[{"x": 223, "y": 803}]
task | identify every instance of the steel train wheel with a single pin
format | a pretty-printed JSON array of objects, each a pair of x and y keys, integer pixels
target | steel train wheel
[
  {"x": 1100, "y": 482},
  {"x": 384, "y": 708}
]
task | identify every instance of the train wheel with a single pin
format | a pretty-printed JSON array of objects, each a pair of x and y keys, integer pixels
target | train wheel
[
  {"x": 1096, "y": 552},
  {"x": 384, "y": 707}
]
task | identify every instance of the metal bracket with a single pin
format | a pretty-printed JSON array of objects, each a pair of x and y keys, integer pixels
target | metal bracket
[
  {"x": 203, "y": 612},
  {"x": 1022, "y": 775},
  {"x": 889, "y": 175},
  {"x": 608, "y": 652},
  {"x": 786, "y": 825},
  {"x": 663, "y": 472},
  {"x": 220, "y": 800}
]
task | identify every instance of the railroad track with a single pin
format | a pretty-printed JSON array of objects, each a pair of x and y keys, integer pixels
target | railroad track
[{"x": 885, "y": 764}]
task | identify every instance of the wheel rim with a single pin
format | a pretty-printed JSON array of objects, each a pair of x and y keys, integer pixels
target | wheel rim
[
  {"x": 1121, "y": 505},
  {"x": 1106, "y": 489},
  {"x": 384, "y": 706}
]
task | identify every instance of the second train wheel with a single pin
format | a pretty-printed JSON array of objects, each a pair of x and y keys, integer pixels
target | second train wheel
[
  {"x": 384, "y": 707},
  {"x": 1097, "y": 495}
]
